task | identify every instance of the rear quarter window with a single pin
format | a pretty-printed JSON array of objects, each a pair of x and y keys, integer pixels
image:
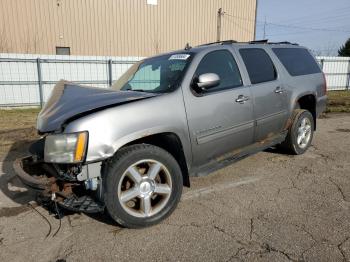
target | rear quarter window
[
  {"x": 259, "y": 65},
  {"x": 297, "y": 61}
]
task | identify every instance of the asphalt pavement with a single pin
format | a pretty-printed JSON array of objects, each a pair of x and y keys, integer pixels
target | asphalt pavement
[{"x": 268, "y": 207}]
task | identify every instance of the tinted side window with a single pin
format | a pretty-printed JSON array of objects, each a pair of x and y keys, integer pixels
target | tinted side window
[
  {"x": 223, "y": 64},
  {"x": 259, "y": 65},
  {"x": 297, "y": 61}
]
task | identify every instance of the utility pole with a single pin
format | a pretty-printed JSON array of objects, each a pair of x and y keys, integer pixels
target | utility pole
[
  {"x": 264, "y": 29},
  {"x": 218, "y": 29}
]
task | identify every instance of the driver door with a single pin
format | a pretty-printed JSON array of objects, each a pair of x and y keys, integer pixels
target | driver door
[{"x": 220, "y": 119}]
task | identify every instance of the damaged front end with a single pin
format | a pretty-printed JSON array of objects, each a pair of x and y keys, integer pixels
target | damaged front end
[
  {"x": 59, "y": 166},
  {"x": 75, "y": 186}
]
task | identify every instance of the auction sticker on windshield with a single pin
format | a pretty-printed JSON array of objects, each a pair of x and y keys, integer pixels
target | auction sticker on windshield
[{"x": 179, "y": 57}]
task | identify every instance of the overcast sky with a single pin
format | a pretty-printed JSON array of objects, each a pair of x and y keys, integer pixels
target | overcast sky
[{"x": 321, "y": 25}]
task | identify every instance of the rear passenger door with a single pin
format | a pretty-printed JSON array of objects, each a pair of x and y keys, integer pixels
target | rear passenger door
[{"x": 269, "y": 94}]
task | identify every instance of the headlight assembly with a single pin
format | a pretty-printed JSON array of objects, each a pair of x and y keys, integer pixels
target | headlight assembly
[{"x": 66, "y": 148}]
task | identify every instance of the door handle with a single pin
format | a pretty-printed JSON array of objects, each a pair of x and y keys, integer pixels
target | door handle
[
  {"x": 279, "y": 90},
  {"x": 241, "y": 99}
]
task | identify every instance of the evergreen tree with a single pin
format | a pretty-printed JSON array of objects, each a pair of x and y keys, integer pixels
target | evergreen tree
[{"x": 345, "y": 49}]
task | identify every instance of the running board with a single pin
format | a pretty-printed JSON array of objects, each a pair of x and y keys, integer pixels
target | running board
[{"x": 239, "y": 154}]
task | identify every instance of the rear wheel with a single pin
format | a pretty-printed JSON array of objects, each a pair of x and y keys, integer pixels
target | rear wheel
[
  {"x": 300, "y": 133},
  {"x": 143, "y": 186}
]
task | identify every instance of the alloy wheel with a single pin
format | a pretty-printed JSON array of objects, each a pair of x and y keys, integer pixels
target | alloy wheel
[
  {"x": 145, "y": 188},
  {"x": 304, "y": 132}
]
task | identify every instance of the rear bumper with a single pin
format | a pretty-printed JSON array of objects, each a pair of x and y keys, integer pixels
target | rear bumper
[
  {"x": 321, "y": 105},
  {"x": 28, "y": 172}
]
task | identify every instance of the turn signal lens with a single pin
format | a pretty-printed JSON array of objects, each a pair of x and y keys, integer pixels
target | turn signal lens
[{"x": 80, "y": 149}]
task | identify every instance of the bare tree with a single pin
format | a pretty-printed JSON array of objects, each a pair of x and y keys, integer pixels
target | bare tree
[
  {"x": 330, "y": 49},
  {"x": 316, "y": 52}
]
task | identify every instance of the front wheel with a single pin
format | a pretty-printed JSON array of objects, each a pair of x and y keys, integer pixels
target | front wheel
[
  {"x": 143, "y": 186},
  {"x": 300, "y": 133}
]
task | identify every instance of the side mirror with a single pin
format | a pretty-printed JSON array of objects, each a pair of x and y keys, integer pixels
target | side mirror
[{"x": 208, "y": 80}]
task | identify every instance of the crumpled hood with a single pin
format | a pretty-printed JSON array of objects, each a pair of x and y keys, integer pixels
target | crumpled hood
[{"x": 70, "y": 100}]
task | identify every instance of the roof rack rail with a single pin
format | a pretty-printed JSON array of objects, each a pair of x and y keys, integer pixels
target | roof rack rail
[
  {"x": 266, "y": 41},
  {"x": 223, "y": 42},
  {"x": 263, "y": 41},
  {"x": 283, "y": 43}
]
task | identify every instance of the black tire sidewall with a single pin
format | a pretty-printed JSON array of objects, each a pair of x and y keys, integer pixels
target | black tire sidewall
[
  {"x": 115, "y": 171},
  {"x": 294, "y": 135}
]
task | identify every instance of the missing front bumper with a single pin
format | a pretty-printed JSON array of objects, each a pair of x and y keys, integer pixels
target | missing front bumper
[
  {"x": 31, "y": 174},
  {"x": 69, "y": 195}
]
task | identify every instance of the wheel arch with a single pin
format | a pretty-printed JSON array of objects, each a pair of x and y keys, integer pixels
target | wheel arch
[
  {"x": 308, "y": 102},
  {"x": 170, "y": 142}
]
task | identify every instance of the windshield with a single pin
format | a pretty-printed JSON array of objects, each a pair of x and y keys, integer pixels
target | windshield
[{"x": 157, "y": 75}]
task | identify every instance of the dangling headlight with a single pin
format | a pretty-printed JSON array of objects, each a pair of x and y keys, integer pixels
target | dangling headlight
[{"x": 66, "y": 148}]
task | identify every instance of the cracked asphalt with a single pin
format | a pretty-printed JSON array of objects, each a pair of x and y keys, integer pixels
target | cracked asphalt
[{"x": 268, "y": 207}]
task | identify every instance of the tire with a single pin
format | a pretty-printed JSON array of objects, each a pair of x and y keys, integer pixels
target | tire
[
  {"x": 137, "y": 195},
  {"x": 293, "y": 144}
]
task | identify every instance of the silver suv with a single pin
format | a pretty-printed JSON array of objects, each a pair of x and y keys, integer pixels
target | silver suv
[{"x": 131, "y": 148}]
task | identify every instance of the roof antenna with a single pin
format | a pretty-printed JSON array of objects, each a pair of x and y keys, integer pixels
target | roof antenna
[{"x": 187, "y": 46}]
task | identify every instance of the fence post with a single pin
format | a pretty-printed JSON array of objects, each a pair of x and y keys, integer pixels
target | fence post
[
  {"x": 348, "y": 78},
  {"x": 110, "y": 77},
  {"x": 40, "y": 81},
  {"x": 322, "y": 63}
]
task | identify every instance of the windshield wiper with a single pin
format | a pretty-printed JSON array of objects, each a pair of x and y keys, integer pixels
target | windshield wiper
[{"x": 136, "y": 90}]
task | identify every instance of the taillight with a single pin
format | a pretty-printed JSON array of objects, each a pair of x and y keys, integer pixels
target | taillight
[{"x": 324, "y": 84}]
